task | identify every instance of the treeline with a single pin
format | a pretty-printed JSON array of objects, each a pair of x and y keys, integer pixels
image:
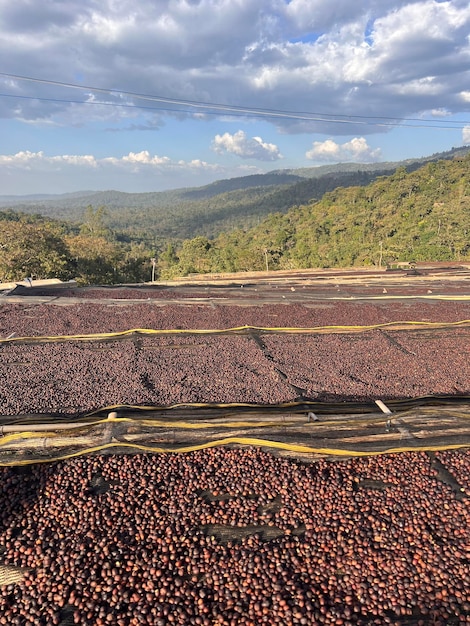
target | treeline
[
  {"x": 239, "y": 208},
  {"x": 204, "y": 211},
  {"x": 219, "y": 207},
  {"x": 36, "y": 247},
  {"x": 423, "y": 215},
  {"x": 419, "y": 216}
]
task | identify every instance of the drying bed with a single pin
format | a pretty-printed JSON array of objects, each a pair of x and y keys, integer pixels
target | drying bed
[
  {"x": 70, "y": 377},
  {"x": 233, "y": 537},
  {"x": 27, "y": 318}
]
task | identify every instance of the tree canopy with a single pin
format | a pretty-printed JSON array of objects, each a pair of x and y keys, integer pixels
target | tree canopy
[
  {"x": 418, "y": 216},
  {"x": 44, "y": 249},
  {"x": 33, "y": 250},
  {"x": 422, "y": 215}
]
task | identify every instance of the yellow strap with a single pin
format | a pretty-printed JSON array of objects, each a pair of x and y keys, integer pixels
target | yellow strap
[
  {"x": 245, "y": 441},
  {"x": 234, "y": 330}
]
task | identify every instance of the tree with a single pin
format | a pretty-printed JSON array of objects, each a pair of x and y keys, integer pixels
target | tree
[
  {"x": 97, "y": 260},
  {"x": 37, "y": 250},
  {"x": 168, "y": 261},
  {"x": 94, "y": 222},
  {"x": 136, "y": 264},
  {"x": 194, "y": 256}
]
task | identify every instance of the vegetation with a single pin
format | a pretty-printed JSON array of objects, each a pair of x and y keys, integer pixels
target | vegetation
[
  {"x": 28, "y": 249},
  {"x": 210, "y": 210},
  {"x": 32, "y": 246},
  {"x": 418, "y": 216},
  {"x": 422, "y": 215}
]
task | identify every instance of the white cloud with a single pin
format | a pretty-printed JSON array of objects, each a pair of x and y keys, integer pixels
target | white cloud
[
  {"x": 144, "y": 158},
  {"x": 134, "y": 161},
  {"x": 415, "y": 41},
  {"x": 348, "y": 64},
  {"x": 466, "y": 135},
  {"x": 356, "y": 150},
  {"x": 321, "y": 15},
  {"x": 437, "y": 113},
  {"x": 246, "y": 147},
  {"x": 376, "y": 57},
  {"x": 27, "y": 159},
  {"x": 36, "y": 172}
]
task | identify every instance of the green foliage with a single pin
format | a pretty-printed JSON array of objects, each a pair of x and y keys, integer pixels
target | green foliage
[
  {"x": 219, "y": 207},
  {"x": 41, "y": 248},
  {"x": 194, "y": 256},
  {"x": 101, "y": 261},
  {"x": 419, "y": 216},
  {"x": 168, "y": 261},
  {"x": 422, "y": 215},
  {"x": 96, "y": 259},
  {"x": 33, "y": 250},
  {"x": 135, "y": 263},
  {"x": 94, "y": 222}
]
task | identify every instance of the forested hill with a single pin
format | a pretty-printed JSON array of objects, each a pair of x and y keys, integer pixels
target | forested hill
[
  {"x": 419, "y": 216},
  {"x": 209, "y": 210},
  {"x": 423, "y": 215}
]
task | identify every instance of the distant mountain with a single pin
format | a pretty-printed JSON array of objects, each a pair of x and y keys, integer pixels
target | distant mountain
[
  {"x": 423, "y": 215},
  {"x": 220, "y": 206},
  {"x": 44, "y": 197}
]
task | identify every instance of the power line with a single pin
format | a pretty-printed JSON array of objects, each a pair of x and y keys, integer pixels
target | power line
[
  {"x": 231, "y": 114},
  {"x": 214, "y": 108}
]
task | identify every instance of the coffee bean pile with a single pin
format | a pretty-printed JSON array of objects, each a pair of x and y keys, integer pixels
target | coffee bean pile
[
  {"x": 458, "y": 465},
  {"x": 54, "y": 319},
  {"x": 70, "y": 377},
  {"x": 160, "y": 540},
  {"x": 77, "y": 377}
]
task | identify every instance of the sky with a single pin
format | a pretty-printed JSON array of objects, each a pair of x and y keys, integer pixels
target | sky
[{"x": 149, "y": 95}]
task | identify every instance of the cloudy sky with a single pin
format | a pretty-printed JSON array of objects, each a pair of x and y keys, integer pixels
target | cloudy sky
[{"x": 145, "y": 95}]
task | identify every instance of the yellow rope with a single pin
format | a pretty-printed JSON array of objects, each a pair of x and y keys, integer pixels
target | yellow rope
[
  {"x": 184, "y": 425},
  {"x": 27, "y": 435},
  {"x": 235, "y": 330},
  {"x": 309, "y": 404},
  {"x": 245, "y": 441}
]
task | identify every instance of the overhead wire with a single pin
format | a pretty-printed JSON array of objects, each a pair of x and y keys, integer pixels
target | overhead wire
[{"x": 236, "y": 110}]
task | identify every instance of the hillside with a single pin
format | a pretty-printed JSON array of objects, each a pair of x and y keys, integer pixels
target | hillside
[
  {"x": 422, "y": 215},
  {"x": 214, "y": 208}
]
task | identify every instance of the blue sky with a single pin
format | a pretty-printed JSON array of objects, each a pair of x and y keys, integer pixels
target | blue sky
[{"x": 232, "y": 88}]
